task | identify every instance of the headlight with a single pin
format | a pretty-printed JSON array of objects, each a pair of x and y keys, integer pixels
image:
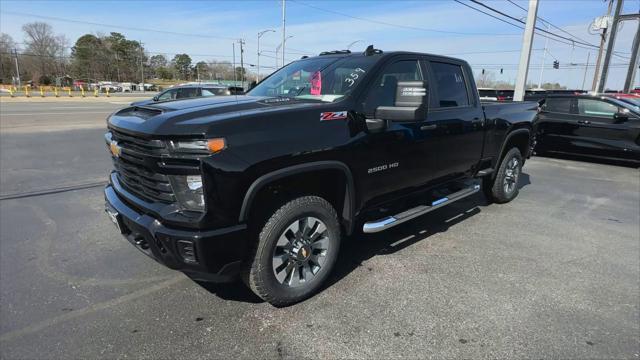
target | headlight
[
  {"x": 210, "y": 146},
  {"x": 188, "y": 191}
]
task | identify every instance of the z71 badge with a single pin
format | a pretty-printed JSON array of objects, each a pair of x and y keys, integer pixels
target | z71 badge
[{"x": 333, "y": 115}]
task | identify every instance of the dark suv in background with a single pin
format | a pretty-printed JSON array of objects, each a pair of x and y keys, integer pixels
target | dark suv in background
[
  {"x": 592, "y": 125},
  {"x": 191, "y": 91}
]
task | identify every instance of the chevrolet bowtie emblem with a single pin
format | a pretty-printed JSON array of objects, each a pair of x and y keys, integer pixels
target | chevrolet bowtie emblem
[{"x": 115, "y": 148}]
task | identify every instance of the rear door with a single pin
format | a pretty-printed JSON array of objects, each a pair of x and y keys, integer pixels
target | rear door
[
  {"x": 452, "y": 135},
  {"x": 557, "y": 124},
  {"x": 599, "y": 133}
]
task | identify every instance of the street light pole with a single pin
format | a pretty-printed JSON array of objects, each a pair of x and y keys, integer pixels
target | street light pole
[
  {"x": 544, "y": 57},
  {"x": 284, "y": 38},
  {"x": 259, "y": 36},
  {"x": 278, "y": 49}
]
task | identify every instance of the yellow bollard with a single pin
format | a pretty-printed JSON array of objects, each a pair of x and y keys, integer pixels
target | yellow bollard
[
  {"x": 82, "y": 91},
  {"x": 55, "y": 91},
  {"x": 108, "y": 92},
  {"x": 95, "y": 92},
  {"x": 26, "y": 91},
  {"x": 69, "y": 91},
  {"x": 41, "y": 91},
  {"x": 11, "y": 91}
]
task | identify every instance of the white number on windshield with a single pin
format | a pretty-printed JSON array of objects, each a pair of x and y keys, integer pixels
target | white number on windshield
[{"x": 351, "y": 79}]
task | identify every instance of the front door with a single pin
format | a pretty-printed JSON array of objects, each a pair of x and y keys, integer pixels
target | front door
[
  {"x": 599, "y": 133},
  {"x": 387, "y": 161}
]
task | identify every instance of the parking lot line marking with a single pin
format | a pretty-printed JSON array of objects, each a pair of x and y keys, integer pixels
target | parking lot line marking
[
  {"x": 59, "y": 113},
  {"x": 90, "y": 309}
]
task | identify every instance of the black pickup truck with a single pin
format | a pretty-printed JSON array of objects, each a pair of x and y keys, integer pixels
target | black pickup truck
[{"x": 265, "y": 186}]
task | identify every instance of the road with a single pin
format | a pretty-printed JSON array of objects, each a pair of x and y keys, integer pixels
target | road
[{"x": 555, "y": 273}]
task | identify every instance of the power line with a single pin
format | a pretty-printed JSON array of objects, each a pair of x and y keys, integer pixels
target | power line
[
  {"x": 550, "y": 24},
  {"x": 396, "y": 25},
  {"x": 571, "y": 41},
  {"x": 537, "y": 28},
  {"x": 54, "y": 18}
]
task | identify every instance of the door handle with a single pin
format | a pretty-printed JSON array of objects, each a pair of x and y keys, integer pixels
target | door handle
[
  {"x": 585, "y": 122},
  {"x": 428, "y": 127}
]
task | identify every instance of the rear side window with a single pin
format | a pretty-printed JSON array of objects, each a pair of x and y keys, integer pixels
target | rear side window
[
  {"x": 558, "y": 105},
  {"x": 187, "y": 93},
  {"x": 214, "y": 91},
  {"x": 450, "y": 85}
]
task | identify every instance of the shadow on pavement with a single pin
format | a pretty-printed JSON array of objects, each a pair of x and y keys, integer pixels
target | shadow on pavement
[
  {"x": 360, "y": 247},
  {"x": 584, "y": 158}
]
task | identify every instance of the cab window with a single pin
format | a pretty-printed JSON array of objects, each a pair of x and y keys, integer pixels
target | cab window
[
  {"x": 450, "y": 85},
  {"x": 558, "y": 105},
  {"x": 168, "y": 95},
  {"x": 599, "y": 108},
  {"x": 383, "y": 90},
  {"x": 187, "y": 93}
]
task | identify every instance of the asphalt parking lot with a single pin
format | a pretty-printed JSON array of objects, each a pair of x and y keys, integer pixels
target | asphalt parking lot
[{"x": 555, "y": 273}]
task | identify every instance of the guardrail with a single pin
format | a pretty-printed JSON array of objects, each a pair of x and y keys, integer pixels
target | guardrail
[{"x": 55, "y": 91}]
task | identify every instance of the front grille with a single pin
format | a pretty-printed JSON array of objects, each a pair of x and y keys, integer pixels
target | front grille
[{"x": 135, "y": 167}]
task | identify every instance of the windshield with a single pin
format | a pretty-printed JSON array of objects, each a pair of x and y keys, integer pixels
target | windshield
[
  {"x": 633, "y": 101},
  {"x": 326, "y": 79}
]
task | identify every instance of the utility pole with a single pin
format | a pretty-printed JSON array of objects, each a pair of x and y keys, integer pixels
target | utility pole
[
  {"x": 585, "y": 71},
  {"x": 15, "y": 53},
  {"x": 610, "y": 44},
  {"x": 284, "y": 33},
  {"x": 603, "y": 40},
  {"x": 544, "y": 57},
  {"x": 633, "y": 63},
  {"x": 235, "y": 77},
  {"x": 142, "y": 66},
  {"x": 241, "y": 62},
  {"x": 525, "y": 53}
]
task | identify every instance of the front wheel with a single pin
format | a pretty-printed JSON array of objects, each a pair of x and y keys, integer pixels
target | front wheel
[
  {"x": 296, "y": 251},
  {"x": 504, "y": 187}
]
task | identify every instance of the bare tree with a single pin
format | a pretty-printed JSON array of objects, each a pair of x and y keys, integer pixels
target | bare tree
[
  {"x": 7, "y": 70},
  {"x": 43, "y": 47}
]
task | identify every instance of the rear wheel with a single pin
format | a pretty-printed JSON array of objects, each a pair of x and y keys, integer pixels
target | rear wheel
[
  {"x": 504, "y": 187},
  {"x": 296, "y": 251}
]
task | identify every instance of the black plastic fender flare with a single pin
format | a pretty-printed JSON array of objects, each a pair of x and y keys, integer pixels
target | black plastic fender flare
[{"x": 259, "y": 183}]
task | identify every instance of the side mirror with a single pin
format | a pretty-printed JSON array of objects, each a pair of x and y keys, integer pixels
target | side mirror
[
  {"x": 621, "y": 116},
  {"x": 411, "y": 102},
  {"x": 155, "y": 98}
]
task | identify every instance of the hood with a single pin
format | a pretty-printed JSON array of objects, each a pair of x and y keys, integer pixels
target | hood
[{"x": 196, "y": 117}]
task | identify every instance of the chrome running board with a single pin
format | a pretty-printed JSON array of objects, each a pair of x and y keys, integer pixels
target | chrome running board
[{"x": 391, "y": 221}]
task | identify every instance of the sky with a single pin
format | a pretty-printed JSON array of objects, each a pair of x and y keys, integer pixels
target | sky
[{"x": 206, "y": 30}]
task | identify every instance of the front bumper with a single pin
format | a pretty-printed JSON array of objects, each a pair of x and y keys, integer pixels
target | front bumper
[{"x": 212, "y": 255}]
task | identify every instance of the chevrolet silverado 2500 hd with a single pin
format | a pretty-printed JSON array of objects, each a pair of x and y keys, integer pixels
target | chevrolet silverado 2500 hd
[{"x": 267, "y": 184}]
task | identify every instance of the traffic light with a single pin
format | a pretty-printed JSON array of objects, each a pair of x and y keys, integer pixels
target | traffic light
[{"x": 556, "y": 64}]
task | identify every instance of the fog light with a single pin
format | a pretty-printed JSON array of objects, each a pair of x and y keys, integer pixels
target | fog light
[{"x": 187, "y": 251}]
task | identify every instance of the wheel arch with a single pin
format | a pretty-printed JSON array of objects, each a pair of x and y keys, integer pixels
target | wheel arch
[{"x": 346, "y": 213}]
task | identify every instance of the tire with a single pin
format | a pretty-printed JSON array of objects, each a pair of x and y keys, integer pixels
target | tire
[
  {"x": 504, "y": 186},
  {"x": 288, "y": 265}
]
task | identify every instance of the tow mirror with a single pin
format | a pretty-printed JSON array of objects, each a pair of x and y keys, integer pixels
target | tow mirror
[{"x": 411, "y": 103}]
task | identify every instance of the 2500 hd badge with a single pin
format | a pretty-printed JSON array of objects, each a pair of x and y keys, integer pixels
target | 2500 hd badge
[{"x": 383, "y": 167}]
